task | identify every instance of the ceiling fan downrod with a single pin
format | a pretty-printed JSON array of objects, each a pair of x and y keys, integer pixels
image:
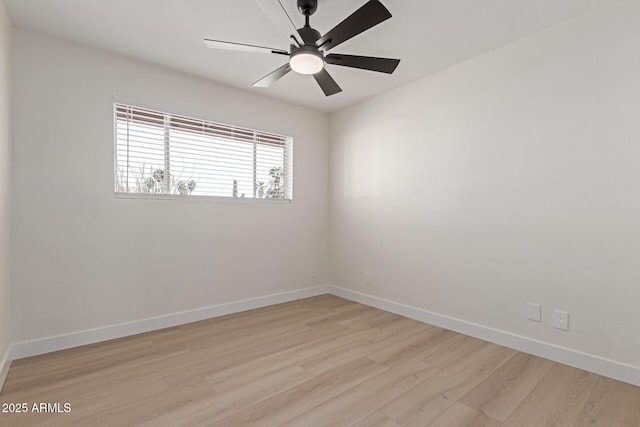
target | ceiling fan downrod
[{"x": 309, "y": 35}]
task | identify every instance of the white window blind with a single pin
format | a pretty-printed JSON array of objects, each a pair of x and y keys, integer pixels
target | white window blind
[{"x": 162, "y": 153}]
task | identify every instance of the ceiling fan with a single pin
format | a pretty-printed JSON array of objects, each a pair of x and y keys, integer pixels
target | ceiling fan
[{"x": 310, "y": 55}]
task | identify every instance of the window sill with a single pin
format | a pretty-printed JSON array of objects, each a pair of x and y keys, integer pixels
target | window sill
[{"x": 206, "y": 199}]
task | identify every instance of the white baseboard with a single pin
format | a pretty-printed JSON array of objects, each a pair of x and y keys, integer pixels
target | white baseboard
[
  {"x": 90, "y": 336},
  {"x": 5, "y": 364},
  {"x": 589, "y": 362}
]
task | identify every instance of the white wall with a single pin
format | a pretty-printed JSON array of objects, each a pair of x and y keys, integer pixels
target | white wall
[
  {"x": 509, "y": 178},
  {"x": 83, "y": 259},
  {"x": 5, "y": 183}
]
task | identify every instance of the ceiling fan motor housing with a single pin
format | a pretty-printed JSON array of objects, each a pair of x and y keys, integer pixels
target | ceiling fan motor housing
[
  {"x": 309, "y": 35},
  {"x": 307, "y": 7}
]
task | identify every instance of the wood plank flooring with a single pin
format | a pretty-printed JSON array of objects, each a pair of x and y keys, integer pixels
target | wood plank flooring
[{"x": 322, "y": 361}]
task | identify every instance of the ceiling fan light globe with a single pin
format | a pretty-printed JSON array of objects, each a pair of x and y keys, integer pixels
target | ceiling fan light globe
[{"x": 306, "y": 63}]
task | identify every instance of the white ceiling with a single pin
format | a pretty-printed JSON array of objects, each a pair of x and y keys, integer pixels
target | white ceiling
[{"x": 427, "y": 35}]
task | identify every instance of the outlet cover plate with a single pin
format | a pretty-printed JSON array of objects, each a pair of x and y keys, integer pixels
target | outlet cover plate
[
  {"x": 561, "y": 320},
  {"x": 368, "y": 279},
  {"x": 534, "y": 312}
]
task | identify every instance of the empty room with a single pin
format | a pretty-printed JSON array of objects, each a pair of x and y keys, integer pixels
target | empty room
[{"x": 367, "y": 213}]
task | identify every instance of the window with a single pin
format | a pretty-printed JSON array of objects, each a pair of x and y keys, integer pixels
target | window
[{"x": 165, "y": 154}]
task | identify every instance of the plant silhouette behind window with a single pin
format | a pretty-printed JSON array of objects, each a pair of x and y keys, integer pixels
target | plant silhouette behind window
[{"x": 275, "y": 188}]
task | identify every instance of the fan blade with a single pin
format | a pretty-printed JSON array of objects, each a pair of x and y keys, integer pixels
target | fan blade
[
  {"x": 273, "y": 77},
  {"x": 381, "y": 65},
  {"x": 326, "y": 82},
  {"x": 369, "y": 15},
  {"x": 241, "y": 47},
  {"x": 276, "y": 12}
]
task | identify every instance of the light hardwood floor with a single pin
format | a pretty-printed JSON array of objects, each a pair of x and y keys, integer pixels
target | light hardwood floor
[{"x": 322, "y": 361}]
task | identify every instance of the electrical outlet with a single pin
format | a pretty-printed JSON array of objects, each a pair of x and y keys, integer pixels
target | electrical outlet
[
  {"x": 534, "y": 312},
  {"x": 368, "y": 279},
  {"x": 561, "y": 320}
]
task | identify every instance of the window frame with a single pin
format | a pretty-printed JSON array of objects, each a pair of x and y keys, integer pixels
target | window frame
[{"x": 288, "y": 178}]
